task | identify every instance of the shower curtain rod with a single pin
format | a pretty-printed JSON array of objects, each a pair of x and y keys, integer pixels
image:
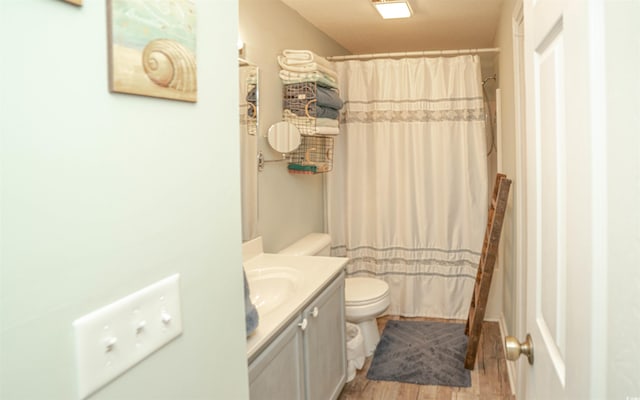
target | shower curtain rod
[{"x": 414, "y": 54}]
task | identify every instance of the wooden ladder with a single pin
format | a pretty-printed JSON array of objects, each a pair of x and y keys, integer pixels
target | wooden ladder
[{"x": 485, "y": 267}]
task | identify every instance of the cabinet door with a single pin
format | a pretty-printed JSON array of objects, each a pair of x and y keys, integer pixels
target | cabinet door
[
  {"x": 278, "y": 372},
  {"x": 325, "y": 345}
]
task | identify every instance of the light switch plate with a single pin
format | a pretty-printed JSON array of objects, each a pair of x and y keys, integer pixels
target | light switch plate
[{"x": 114, "y": 338}]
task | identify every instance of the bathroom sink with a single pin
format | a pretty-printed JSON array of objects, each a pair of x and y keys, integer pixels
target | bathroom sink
[{"x": 271, "y": 286}]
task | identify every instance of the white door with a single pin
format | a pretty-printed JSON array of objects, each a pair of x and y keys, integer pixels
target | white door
[{"x": 561, "y": 176}]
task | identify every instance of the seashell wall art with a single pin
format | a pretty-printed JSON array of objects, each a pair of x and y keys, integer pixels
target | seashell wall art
[{"x": 152, "y": 48}]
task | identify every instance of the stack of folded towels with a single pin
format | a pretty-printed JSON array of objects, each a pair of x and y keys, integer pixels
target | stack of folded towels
[{"x": 311, "y": 100}]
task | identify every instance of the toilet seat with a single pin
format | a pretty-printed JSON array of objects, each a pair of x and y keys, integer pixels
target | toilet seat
[{"x": 363, "y": 291}]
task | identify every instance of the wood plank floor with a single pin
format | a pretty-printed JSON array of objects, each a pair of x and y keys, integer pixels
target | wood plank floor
[{"x": 489, "y": 379}]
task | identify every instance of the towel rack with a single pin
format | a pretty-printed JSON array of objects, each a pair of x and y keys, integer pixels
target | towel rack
[{"x": 262, "y": 161}]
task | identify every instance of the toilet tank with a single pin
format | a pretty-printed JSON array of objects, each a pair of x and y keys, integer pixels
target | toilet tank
[{"x": 314, "y": 244}]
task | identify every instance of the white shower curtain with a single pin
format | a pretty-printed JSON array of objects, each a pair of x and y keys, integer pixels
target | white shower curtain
[{"x": 407, "y": 198}]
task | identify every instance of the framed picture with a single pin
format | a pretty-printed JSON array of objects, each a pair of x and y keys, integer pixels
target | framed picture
[{"x": 152, "y": 48}]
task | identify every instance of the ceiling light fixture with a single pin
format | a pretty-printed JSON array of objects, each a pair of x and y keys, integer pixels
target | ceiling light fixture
[{"x": 390, "y": 9}]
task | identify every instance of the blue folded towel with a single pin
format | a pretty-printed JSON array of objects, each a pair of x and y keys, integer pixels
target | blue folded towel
[
  {"x": 250, "y": 313},
  {"x": 329, "y": 98}
]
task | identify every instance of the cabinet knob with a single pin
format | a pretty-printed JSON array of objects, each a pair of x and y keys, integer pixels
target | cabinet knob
[
  {"x": 315, "y": 312},
  {"x": 303, "y": 324}
]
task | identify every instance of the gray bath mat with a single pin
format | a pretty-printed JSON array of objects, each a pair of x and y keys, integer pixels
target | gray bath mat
[{"x": 425, "y": 353}]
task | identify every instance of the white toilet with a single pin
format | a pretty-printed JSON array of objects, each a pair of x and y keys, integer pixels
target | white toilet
[{"x": 365, "y": 298}]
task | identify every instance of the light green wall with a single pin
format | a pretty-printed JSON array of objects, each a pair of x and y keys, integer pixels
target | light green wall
[
  {"x": 290, "y": 206},
  {"x": 104, "y": 193}
]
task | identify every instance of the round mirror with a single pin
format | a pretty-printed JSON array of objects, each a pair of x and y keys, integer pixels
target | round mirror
[{"x": 284, "y": 137}]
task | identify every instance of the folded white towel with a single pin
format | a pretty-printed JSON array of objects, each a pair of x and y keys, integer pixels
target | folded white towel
[
  {"x": 289, "y": 77},
  {"x": 327, "y": 130},
  {"x": 307, "y": 67},
  {"x": 327, "y": 122},
  {"x": 305, "y": 56}
]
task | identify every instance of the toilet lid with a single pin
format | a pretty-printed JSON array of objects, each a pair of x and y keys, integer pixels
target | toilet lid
[{"x": 364, "y": 290}]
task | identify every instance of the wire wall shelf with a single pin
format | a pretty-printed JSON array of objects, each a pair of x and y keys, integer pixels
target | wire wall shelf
[{"x": 314, "y": 156}]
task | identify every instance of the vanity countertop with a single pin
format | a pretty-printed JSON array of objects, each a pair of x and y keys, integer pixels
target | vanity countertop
[{"x": 312, "y": 274}]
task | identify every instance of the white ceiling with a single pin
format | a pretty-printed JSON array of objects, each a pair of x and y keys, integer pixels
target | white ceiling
[{"x": 435, "y": 25}]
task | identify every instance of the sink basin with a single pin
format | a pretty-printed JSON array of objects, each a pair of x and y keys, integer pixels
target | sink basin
[
  {"x": 271, "y": 286},
  {"x": 281, "y": 286}
]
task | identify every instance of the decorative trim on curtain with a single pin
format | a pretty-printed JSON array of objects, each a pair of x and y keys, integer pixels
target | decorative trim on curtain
[
  {"x": 412, "y": 111},
  {"x": 410, "y": 258}
]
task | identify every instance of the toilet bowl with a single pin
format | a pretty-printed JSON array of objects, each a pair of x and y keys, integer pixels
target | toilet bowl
[{"x": 365, "y": 298}]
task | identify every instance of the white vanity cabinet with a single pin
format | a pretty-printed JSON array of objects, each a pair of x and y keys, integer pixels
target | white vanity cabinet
[
  {"x": 325, "y": 344},
  {"x": 277, "y": 373},
  {"x": 307, "y": 360}
]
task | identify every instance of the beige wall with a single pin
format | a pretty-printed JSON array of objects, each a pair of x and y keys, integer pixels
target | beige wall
[
  {"x": 290, "y": 206},
  {"x": 104, "y": 193},
  {"x": 622, "y": 102},
  {"x": 504, "y": 71}
]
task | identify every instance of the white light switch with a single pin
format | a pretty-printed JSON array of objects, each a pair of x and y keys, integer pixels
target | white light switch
[{"x": 114, "y": 338}]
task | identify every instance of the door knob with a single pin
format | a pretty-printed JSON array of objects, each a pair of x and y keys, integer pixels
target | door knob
[{"x": 514, "y": 348}]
